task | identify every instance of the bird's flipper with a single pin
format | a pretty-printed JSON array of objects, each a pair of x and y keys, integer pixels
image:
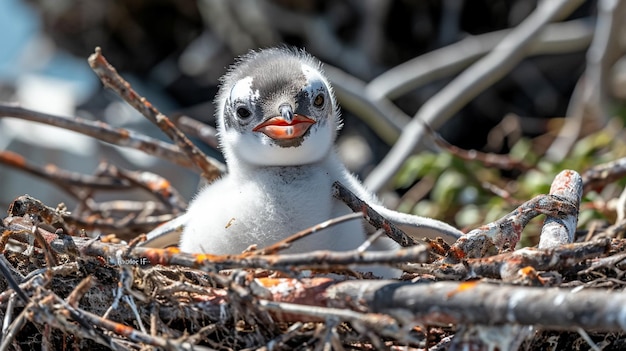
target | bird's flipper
[
  {"x": 167, "y": 234},
  {"x": 420, "y": 227}
]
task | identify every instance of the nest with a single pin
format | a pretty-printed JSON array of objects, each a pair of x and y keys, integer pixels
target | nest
[
  {"x": 66, "y": 287},
  {"x": 63, "y": 292}
]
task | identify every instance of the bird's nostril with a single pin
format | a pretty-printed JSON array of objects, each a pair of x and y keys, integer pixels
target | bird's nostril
[{"x": 286, "y": 112}]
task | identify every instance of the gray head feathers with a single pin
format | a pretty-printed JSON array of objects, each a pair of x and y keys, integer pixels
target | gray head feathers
[{"x": 274, "y": 71}]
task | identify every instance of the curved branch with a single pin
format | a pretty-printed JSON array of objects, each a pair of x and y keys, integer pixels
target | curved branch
[
  {"x": 556, "y": 38},
  {"x": 468, "y": 85}
]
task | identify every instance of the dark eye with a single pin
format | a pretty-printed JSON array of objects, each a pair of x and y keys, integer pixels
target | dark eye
[
  {"x": 243, "y": 113},
  {"x": 319, "y": 100}
]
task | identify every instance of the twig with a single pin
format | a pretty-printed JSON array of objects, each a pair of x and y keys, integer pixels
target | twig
[
  {"x": 158, "y": 186},
  {"x": 371, "y": 102},
  {"x": 512, "y": 49},
  {"x": 613, "y": 231},
  {"x": 487, "y": 159},
  {"x": 603, "y": 174},
  {"x": 6, "y": 272},
  {"x": 204, "y": 132},
  {"x": 213, "y": 263},
  {"x": 504, "y": 233},
  {"x": 564, "y": 37},
  {"x": 102, "y": 131},
  {"x": 590, "y": 97},
  {"x": 38, "y": 212},
  {"x": 375, "y": 219},
  {"x": 384, "y": 118},
  {"x": 285, "y": 262},
  {"x": 8, "y": 335},
  {"x": 112, "y": 179},
  {"x": 381, "y": 323},
  {"x": 111, "y": 79},
  {"x": 74, "y": 297},
  {"x": 508, "y": 265},
  {"x": 285, "y": 243},
  {"x": 477, "y": 302},
  {"x": 62, "y": 178},
  {"x": 282, "y": 338},
  {"x": 556, "y": 231}
]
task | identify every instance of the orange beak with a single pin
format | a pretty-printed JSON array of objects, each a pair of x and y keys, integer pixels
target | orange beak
[{"x": 280, "y": 129}]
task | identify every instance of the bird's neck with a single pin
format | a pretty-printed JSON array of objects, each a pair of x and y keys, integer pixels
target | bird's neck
[{"x": 242, "y": 170}]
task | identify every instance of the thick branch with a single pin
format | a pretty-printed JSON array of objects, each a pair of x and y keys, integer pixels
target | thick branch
[
  {"x": 468, "y": 85},
  {"x": 478, "y": 302}
]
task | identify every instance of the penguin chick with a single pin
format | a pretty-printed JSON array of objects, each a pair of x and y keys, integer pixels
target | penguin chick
[{"x": 277, "y": 119}]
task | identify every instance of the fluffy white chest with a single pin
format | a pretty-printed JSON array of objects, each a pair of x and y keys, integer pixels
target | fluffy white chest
[{"x": 266, "y": 206}]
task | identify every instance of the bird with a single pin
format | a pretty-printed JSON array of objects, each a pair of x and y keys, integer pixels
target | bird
[{"x": 277, "y": 121}]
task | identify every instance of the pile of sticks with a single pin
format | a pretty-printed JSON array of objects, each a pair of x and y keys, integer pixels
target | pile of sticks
[{"x": 64, "y": 286}]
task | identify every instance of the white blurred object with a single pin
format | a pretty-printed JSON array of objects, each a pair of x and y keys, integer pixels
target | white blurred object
[{"x": 48, "y": 95}]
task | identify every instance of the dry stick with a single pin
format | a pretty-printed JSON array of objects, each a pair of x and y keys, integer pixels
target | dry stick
[
  {"x": 556, "y": 38},
  {"x": 614, "y": 262},
  {"x": 600, "y": 175},
  {"x": 616, "y": 229},
  {"x": 38, "y": 311},
  {"x": 158, "y": 186},
  {"x": 469, "y": 84},
  {"x": 487, "y": 159},
  {"x": 590, "y": 98},
  {"x": 123, "y": 330},
  {"x": 73, "y": 182},
  {"x": 312, "y": 260},
  {"x": 129, "y": 224},
  {"x": 380, "y": 323},
  {"x": 45, "y": 312},
  {"x": 383, "y": 117},
  {"x": 62, "y": 177},
  {"x": 6, "y": 272},
  {"x": 504, "y": 233},
  {"x": 372, "y": 102},
  {"x": 9, "y": 335},
  {"x": 208, "y": 262},
  {"x": 374, "y": 218},
  {"x": 34, "y": 208},
  {"x": 285, "y": 243},
  {"x": 111, "y": 79},
  {"x": 28, "y": 205},
  {"x": 282, "y": 338},
  {"x": 475, "y": 302},
  {"x": 508, "y": 264},
  {"x": 51, "y": 303},
  {"x": 101, "y": 131},
  {"x": 556, "y": 231},
  {"x": 204, "y": 132}
]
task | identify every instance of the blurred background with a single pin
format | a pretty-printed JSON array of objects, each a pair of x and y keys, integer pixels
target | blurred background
[{"x": 173, "y": 53}]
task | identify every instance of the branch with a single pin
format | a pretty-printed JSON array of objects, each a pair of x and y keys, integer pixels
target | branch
[
  {"x": 373, "y": 217},
  {"x": 468, "y": 85},
  {"x": 213, "y": 263},
  {"x": 382, "y": 116},
  {"x": 204, "y": 132},
  {"x": 102, "y": 131},
  {"x": 504, "y": 233},
  {"x": 62, "y": 178},
  {"x": 600, "y": 175},
  {"x": 567, "y": 185},
  {"x": 590, "y": 97},
  {"x": 111, "y": 79},
  {"x": 515, "y": 264},
  {"x": 556, "y": 38},
  {"x": 476, "y": 302}
]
